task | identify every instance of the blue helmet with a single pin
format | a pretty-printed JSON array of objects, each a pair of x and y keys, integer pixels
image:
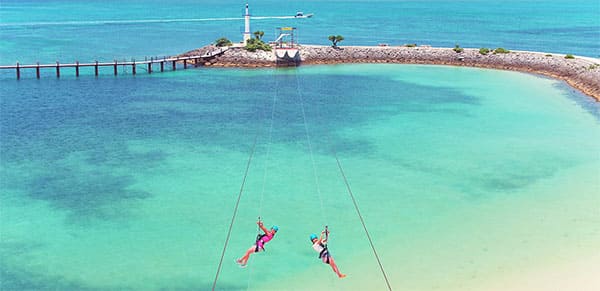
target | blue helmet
[
  {"x": 275, "y": 228},
  {"x": 313, "y": 237}
]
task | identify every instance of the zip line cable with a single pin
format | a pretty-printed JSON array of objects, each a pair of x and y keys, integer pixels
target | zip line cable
[
  {"x": 361, "y": 218},
  {"x": 316, "y": 182},
  {"x": 264, "y": 181},
  {"x": 237, "y": 203},
  {"x": 347, "y": 186},
  {"x": 269, "y": 141},
  {"x": 312, "y": 159}
]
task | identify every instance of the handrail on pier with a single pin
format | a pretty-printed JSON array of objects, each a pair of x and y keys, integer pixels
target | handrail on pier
[{"x": 133, "y": 63}]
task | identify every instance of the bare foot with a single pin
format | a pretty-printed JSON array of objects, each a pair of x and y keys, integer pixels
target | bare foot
[{"x": 342, "y": 276}]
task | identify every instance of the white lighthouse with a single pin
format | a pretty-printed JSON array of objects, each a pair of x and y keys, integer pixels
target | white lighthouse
[{"x": 247, "y": 25}]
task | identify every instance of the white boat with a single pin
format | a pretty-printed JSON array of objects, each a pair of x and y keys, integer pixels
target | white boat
[{"x": 301, "y": 14}]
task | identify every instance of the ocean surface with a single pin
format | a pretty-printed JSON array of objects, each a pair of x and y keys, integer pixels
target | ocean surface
[{"x": 463, "y": 176}]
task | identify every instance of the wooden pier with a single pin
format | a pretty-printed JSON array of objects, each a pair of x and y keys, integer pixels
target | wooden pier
[{"x": 147, "y": 64}]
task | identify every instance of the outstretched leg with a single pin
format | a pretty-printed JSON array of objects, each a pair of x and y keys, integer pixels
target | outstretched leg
[
  {"x": 335, "y": 268},
  {"x": 244, "y": 260}
]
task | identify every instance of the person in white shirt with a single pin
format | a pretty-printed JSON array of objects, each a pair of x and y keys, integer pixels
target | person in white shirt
[{"x": 320, "y": 246}]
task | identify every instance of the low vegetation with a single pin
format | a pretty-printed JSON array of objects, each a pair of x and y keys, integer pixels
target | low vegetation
[
  {"x": 410, "y": 45},
  {"x": 255, "y": 44},
  {"x": 548, "y": 55},
  {"x": 484, "y": 51},
  {"x": 458, "y": 49},
  {"x": 501, "y": 51},
  {"x": 223, "y": 41},
  {"x": 569, "y": 56},
  {"x": 593, "y": 67}
]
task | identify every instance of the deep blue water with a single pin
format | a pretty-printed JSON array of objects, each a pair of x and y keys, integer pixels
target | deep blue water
[{"x": 47, "y": 31}]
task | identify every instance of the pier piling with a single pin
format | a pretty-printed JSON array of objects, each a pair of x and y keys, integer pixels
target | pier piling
[{"x": 163, "y": 61}]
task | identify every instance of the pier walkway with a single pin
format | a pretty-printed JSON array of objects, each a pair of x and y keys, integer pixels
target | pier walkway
[{"x": 146, "y": 64}]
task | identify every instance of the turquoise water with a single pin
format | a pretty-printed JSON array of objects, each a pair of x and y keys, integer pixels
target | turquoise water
[
  {"x": 458, "y": 172},
  {"x": 463, "y": 175}
]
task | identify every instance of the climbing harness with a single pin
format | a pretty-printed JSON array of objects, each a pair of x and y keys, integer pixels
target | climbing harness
[
  {"x": 325, "y": 251},
  {"x": 260, "y": 244}
]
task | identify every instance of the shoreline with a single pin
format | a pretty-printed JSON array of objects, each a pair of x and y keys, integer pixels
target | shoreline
[{"x": 581, "y": 73}]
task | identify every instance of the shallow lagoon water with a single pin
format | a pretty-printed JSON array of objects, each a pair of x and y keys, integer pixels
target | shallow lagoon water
[{"x": 462, "y": 175}]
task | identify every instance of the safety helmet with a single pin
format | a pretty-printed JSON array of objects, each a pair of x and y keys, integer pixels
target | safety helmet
[
  {"x": 313, "y": 237},
  {"x": 275, "y": 228}
]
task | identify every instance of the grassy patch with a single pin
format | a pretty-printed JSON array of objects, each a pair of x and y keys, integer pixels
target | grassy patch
[
  {"x": 255, "y": 44},
  {"x": 501, "y": 51},
  {"x": 458, "y": 49}
]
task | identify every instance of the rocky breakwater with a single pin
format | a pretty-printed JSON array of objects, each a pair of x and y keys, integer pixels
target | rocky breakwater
[
  {"x": 235, "y": 57},
  {"x": 581, "y": 73}
]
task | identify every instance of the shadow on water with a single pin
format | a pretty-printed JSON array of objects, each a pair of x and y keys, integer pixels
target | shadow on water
[
  {"x": 587, "y": 103},
  {"x": 18, "y": 276},
  {"x": 84, "y": 193},
  {"x": 49, "y": 122},
  {"x": 18, "y": 273}
]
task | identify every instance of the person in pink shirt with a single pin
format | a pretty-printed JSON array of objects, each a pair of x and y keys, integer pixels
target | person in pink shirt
[{"x": 261, "y": 240}]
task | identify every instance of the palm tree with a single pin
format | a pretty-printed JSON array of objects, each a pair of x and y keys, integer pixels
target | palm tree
[
  {"x": 259, "y": 34},
  {"x": 335, "y": 39}
]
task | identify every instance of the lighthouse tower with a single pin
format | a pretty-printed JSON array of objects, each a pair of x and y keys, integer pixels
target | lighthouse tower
[{"x": 247, "y": 25}]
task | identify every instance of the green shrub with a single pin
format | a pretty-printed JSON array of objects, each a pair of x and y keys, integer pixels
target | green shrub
[
  {"x": 484, "y": 51},
  {"x": 593, "y": 67},
  {"x": 254, "y": 44},
  {"x": 221, "y": 42},
  {"x": 501, "y": 51},
  {"x": 458, "y": 49},
  {"x": 548, "y": 55},
  {"x": 569, "y": 56},
  {"x": 410, "y": 45}
]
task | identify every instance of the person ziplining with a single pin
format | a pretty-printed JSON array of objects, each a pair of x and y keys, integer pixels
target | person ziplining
[
  {"x": 320, "y": 246},
  {"x": 259, "y": 245}
]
